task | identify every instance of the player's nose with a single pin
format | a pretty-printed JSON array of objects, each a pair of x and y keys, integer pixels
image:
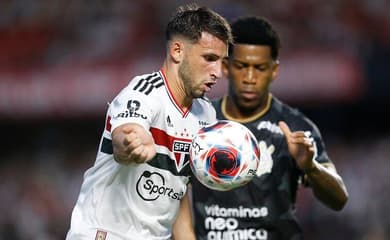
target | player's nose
[
  {"x": 250, "y": 76},
  {"x": 217, "y": 71}
]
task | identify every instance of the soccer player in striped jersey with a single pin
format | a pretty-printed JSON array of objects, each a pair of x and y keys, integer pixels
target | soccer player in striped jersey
[
  {"x": 137, "y": 187},
  {"x": 290, "y": 144}
]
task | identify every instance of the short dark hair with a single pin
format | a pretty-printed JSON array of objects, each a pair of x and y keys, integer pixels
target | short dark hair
[
  {"x": 191, "y": 20},
  {"x": 257, "y": 31}
]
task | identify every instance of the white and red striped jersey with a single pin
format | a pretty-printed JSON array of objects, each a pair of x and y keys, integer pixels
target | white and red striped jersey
[{"x": 140, "y": 201}]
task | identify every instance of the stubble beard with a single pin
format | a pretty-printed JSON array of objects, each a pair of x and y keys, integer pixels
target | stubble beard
[{"x": 188, "y": 81}]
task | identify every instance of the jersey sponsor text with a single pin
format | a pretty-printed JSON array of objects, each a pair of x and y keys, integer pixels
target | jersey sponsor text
[
  {"x": 229, "y": 231},
  {"x": 223, "y": 223},
  {"x": 240, "y": 211},
  {"x": 151, "y": 186},
  {"x": 269, "y": 126}
]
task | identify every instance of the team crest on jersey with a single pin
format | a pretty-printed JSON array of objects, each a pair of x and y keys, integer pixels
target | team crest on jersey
[{"x": 181, "y": 150}]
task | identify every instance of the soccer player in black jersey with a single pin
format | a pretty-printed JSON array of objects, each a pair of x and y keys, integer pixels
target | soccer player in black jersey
[{"x": 292, "y": 150}]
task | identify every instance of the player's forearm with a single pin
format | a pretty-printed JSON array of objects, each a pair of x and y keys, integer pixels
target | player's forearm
[
  {"x": 327, "y": 186},
  {"x": 184, "y": 235},
  {"x": 183, "y": 227}
]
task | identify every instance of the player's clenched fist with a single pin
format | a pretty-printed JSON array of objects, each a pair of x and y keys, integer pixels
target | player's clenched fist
[{"x": 132, "y": 144}]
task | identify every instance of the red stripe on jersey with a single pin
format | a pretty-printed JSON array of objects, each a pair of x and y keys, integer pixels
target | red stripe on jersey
[
  {"x": 108, "y": 124},
  {"x": 179, "y": 146},
  {"x": 163, "y": 139}
]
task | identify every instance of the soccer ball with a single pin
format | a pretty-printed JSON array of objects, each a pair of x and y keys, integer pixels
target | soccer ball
[{"x": 224, "y": 155}]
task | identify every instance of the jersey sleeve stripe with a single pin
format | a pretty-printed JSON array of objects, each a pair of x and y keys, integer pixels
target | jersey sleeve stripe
[
  {"x": 107, "y": 146},
  {"x": 150, "y": 88},
  {"x": 146, "y": 85},
  {"x": 108, "y": 123},
  {"x": 138, "y": 84}
]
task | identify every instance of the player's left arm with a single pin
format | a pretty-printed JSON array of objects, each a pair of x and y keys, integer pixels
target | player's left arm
[
  {"x": 327, "y": 184},
  {"x": 182, "y": 228}
]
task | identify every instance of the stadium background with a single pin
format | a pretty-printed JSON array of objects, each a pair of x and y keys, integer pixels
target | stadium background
[{"x": 62, "y": 61}]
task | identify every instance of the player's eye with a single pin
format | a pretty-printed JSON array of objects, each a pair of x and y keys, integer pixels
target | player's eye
[
  {"x": 263, "y": 67},
  {"x": 239, "y": 65},
  {"x": 210, "y": 58}
]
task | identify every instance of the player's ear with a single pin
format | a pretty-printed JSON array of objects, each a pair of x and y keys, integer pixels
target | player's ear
[
  {"x": 225, "y": 67},
  {"x": 275, "y": 70},
  {"x": 176, "y": 50}
]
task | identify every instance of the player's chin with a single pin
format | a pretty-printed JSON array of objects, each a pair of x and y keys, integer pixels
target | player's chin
[
  {"x": 248, "y": 104},
  {"x": 199, "y": 94}
]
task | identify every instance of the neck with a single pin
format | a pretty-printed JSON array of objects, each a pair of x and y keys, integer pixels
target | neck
[
  {"x": 234, "y": 112},
  {"x": 175, "y": 86}
]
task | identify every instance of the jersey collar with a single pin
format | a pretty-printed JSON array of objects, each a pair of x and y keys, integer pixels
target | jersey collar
[
  {"x": 183, "y": 112},
  {"x": 249, "y": 119}
]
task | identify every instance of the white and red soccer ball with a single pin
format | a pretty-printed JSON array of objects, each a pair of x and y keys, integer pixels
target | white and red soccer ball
[{"x": 224, "y": 155}]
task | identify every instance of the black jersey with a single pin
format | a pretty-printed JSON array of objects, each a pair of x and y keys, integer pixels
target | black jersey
[{"x": 265, "y": 207}]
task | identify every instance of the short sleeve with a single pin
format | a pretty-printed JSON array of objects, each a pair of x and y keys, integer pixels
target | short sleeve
[{"x": 130, "y": 107}]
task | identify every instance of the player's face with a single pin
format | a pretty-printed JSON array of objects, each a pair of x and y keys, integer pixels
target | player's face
[
  {"x": 250, "y": 71},
  {"x": 202, "y": 65}
]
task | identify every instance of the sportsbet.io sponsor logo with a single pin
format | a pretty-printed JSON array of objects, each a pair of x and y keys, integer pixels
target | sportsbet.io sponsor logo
[
  {"x": 222, "y": 223},
  {"x": 151, "y": 186}
]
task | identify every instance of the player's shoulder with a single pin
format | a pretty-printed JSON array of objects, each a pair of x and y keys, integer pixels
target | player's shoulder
[
  {"x": 285, "y": 109},
  {"x": 293, "y": 116},
  {"x": 140, "y": 88},
  {"x": 146, "y": 84}
]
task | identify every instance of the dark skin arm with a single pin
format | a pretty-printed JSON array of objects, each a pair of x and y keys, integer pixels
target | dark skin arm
[{"x": 327, "y": 185}]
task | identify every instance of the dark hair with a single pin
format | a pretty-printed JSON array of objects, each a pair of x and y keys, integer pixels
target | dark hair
[
  {"x": 191, "y": 20},
  {"x": 257, "y": 31}
]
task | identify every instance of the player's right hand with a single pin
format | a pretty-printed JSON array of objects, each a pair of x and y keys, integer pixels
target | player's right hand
[
  {"x": 300, "y": 145},
  {"x": 132, "y": 144}
]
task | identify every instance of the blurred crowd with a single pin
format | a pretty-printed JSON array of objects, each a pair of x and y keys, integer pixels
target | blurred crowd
[
  {"x": 43, "y": 162},
  {"x": 51, "y": 32}
]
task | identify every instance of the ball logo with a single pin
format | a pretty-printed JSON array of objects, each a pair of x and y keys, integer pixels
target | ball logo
[
  {"x": 223, "y": 162},
  {"x": 152, "y": 185},
  {"x": 196, "y": 148}
]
